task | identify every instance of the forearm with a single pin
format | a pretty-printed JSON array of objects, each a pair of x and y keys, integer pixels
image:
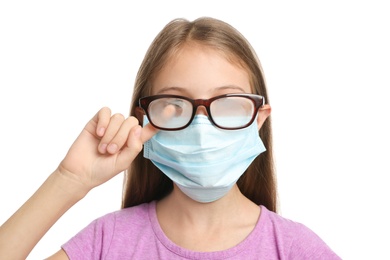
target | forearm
[{"x": 22, "y": 231}]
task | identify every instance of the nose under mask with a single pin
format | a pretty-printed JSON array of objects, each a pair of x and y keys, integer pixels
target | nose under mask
[{"x": 202, "y": 160}]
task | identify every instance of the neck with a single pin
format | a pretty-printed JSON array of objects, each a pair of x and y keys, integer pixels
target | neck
[
  {"x": 210, "y": 226},
  {"x": 233, "y": 206}
]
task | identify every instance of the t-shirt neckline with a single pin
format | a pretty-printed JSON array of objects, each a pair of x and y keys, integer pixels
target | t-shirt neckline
[{"x": 183, "y": 252}]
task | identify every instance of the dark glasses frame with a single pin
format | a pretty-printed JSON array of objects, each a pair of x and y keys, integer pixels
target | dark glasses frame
[{"x": 258, "y": 101}]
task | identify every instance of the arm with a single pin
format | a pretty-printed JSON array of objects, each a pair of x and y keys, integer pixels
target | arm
[
  {"x": 22, "y": 231},
  {"x": 106, "y": 146}
]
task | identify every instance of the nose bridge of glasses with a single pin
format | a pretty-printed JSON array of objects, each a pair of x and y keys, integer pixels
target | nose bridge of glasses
[{"x": 201, "y": 106}]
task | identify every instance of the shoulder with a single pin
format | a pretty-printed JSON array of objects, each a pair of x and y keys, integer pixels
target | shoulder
[
  {"x": 109, "y": 232},
  {"x": 135, "y": 215},
  {"x": 280, "y": 224},
  {"x": 295, "y": 239}
]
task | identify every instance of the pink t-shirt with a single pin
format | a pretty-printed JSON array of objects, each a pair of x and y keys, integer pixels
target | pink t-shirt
[{"x": 134, "y": 233}]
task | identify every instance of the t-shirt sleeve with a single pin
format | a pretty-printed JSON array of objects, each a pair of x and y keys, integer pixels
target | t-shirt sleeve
[
  {"x": 92, "y": 242},
  {"x": 308, "y": 245}
]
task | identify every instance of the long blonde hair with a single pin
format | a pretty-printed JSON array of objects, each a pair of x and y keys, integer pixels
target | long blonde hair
[{"x": 144, "y": 182}]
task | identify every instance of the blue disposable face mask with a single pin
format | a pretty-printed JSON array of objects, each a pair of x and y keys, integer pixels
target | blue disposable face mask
[{"x": 202, "y": 160}]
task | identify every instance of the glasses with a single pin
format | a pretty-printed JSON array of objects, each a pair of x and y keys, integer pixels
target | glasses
[{"x": 229, "y": 112}]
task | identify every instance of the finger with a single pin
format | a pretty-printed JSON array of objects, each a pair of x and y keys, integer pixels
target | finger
[
  {"x": 148, "y": 131},
  {"x": 131, "y": 150},
  {"x": 115, "y": 123},
  {"x": 122, "y": 135},
  {"x": 98, "y": 121},
  {"x": 102, "y": 119},
  {"x": 165, "y": 115}
]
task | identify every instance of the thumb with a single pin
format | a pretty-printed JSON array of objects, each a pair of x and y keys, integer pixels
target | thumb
[
  {"x": 137, "y": 137},
  {"x": 148, "y": 131}
]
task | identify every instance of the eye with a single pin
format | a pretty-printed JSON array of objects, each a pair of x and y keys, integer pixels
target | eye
[{"x": 178, "y": 103}]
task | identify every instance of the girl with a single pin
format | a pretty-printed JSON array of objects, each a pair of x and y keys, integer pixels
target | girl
[{"x": 197, "y": 147}]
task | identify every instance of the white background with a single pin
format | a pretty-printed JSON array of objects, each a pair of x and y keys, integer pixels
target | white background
[{"x": 327, "y": 68}]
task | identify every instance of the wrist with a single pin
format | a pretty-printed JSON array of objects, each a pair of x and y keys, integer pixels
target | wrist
[{"x": 71, "y": 185}]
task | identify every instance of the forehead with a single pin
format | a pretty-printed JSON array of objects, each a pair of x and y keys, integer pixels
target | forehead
[{"x": 200, "y": 69}]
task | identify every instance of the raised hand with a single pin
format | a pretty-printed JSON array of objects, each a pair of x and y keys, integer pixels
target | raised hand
[{"x": 106, "y": 146}]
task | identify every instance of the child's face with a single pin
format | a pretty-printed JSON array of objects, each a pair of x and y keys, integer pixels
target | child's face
[{"x": 200, "y": 72}]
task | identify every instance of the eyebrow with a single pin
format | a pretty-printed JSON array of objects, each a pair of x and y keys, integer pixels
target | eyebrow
[
  {"x": 183, "y": 90},
  {"x": 171, "y": 88},
  {"x": 231, "y": 87}
]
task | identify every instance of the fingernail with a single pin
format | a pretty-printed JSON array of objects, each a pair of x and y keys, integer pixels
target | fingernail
[
  {"x": 101, "y": 131},
  {"x": 103, "y": 148},
  {"x": 112, "y": 148},
  {"x": 137, "y": 132}
]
